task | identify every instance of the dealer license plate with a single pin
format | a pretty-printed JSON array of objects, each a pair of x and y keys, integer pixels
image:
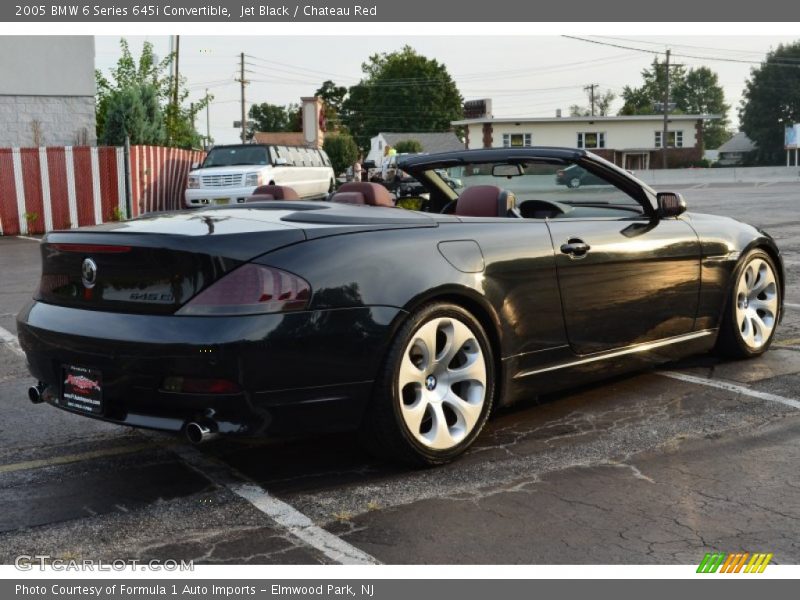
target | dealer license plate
[{"x": 82, "y": 389}]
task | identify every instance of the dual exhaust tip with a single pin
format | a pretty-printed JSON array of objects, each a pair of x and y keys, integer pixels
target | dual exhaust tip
[
  {"x": 35, "y": 393},
  {"x": 196, "y": 433}
]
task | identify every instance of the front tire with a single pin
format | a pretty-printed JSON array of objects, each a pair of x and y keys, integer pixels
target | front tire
[
  {"x": 435, "y": 391},
  {"x": 752, "y": 311}
]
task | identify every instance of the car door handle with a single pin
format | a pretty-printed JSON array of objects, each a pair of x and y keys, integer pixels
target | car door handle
[{"x": 575, "y": 248}]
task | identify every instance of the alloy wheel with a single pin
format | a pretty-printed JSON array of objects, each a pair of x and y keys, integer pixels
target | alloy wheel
[
  {"x": 756, "y": 303},
  {"x": 442, "y": 383}
]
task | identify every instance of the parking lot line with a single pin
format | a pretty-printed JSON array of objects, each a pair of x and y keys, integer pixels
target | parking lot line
[
  {"x": 731, "y": 387},
  {"x": 792, "y": 305},
  {"x": 10, "y": 340},
  {"x": 73, "y": 458},
  {"x": 285, "y": 515},
  {"x": 25, "y": 237}
]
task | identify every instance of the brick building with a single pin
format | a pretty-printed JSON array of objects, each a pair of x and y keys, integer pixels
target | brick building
[{"x": 47, "y": 91}]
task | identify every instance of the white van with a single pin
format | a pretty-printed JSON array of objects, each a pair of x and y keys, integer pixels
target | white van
[{"x": 229, "y": 174}]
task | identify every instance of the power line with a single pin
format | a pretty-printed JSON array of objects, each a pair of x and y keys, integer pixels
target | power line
[
  {"x": 712, "y": 58},
  {"x": 675, "y": 45}
]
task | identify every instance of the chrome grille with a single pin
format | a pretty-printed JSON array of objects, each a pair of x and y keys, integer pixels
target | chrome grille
[{"x": 223, "y": 180}]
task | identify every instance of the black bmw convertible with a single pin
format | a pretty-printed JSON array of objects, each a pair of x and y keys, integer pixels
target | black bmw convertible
[{"x": 282, "y": 316}]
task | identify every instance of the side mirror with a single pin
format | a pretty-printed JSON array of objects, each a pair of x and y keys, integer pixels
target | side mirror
[
  {"x": 506, "y": 170},
  {"x": 195, "y": 166},
  {"x": 670, "y": 204},
  {"x": 281, "y": 162}
]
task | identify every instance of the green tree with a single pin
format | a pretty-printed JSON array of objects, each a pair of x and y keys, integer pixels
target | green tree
[
  {"x": 341, "y": 148},
  {"x": 700, "y": 93},
  {"x": 696, "y": 91},
  {"x": 408, "y": 147},
  {"x": 771, "y": 101},
  {"x": 133, "y": 111},
  {"x": 641, "y": 100},
  {"x": 602, "y": 105},
  {"x": 268, "y": 117},
  {"x": 149, "y": 72},
  {"x": 332, "y": 96},
  {"x": 401, "y": 91}
]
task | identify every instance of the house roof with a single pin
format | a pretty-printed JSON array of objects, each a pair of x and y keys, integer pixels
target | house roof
[
  {"x": 615, "y": 118},
  {"x": 738, "y": 143},
  {"x": 431, "y": 142}
]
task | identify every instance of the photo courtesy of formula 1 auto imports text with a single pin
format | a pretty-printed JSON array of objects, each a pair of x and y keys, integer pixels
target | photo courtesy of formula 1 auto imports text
[{"x": 324, "y": 300}]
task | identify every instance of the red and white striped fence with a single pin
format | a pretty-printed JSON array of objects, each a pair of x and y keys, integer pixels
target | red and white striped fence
[
  {"x": 42, "y": 189},
  {"x": 158, "y": 177}
]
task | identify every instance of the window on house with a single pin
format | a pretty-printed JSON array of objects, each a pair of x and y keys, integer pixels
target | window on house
[
  {"x": 674, "y": 139},
  {"x": 517, "y": 140},
  {"x": 591, "y": 139}
]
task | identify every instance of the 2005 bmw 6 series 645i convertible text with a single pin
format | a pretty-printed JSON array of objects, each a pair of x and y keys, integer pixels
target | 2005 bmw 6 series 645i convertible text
[{"x": 282, "y": 316}]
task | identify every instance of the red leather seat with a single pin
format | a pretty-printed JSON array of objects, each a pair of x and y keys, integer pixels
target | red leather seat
[
  {"x": 374, "y": 194},
  {"x": 349, "y": 198},
  {"x": 486, "y": 201},
  {"x": 273, "y": 192}
]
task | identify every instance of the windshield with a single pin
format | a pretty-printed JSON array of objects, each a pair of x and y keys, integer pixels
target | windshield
[
  {"x": 236, "y": 155},
  {"x": 563, "y": 183}
]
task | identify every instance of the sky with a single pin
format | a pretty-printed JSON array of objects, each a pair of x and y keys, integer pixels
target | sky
[{"x": 525, "y": 76}]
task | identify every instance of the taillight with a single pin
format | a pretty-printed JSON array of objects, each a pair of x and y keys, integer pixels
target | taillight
[
  {"x": 560, "y": 173},
  {"x": 251, "y": 289}
]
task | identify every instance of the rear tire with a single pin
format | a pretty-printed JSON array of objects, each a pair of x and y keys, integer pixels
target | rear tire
[
  {"x": 435, "y": 390},
  {"x": 574, "y": 183},
  {"x": 752, "y": 310}
]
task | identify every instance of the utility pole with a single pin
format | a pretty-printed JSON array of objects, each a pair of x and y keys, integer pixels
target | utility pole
[
  {"x": 243, "y": 83},
  {"x": 176, "y": 82},
  {"x": 665, "y": 132},
  {"x": 208, "y": 120},
  {"x": 590, "y": 89}
]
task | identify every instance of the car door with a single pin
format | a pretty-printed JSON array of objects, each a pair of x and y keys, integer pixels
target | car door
[{"x": 624, "y": 278}]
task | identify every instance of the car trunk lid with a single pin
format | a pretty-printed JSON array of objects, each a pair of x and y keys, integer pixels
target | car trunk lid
[{"x": 155, "y": 264}]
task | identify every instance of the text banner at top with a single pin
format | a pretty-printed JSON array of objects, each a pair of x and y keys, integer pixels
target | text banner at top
[{"x": 377, "y": 11}]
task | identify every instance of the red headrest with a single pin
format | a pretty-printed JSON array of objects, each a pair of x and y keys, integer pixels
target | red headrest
[
  {"x": 374, "y": 193},
  {"x": 277, "y": 192},
  {"x": 349, "y": 198},
  {"x": 485, "y": 201}
]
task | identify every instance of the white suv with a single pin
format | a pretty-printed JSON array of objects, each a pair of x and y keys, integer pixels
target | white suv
[{"x": 229, "y": 174}]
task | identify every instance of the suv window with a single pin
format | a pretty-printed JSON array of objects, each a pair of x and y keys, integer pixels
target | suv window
[{"x": 226, "y": 156}]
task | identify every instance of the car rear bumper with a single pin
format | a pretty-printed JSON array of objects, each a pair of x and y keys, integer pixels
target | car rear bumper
[
  {"x": 302, "y": 372},
  {"x": 198, "y": 197}
]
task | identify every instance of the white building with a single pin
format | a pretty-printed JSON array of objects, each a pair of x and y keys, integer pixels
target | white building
[
  {"x": 47, "y": 91},
  {"x": 633, "y": 142}
]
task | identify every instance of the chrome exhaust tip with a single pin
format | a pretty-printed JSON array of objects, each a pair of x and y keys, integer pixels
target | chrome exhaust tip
[
  {"x": 35, "y": 394},
  {"x": 197, "y": 433}
]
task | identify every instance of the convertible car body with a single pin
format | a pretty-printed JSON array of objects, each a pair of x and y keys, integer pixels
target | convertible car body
[{"x": 287, "y": 316}]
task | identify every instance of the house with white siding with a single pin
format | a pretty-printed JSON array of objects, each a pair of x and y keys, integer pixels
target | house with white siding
[{"x": 631, "y": 141}]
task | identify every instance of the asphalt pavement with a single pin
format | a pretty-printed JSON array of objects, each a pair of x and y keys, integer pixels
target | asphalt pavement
[{"x": 657, "y": 467}]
